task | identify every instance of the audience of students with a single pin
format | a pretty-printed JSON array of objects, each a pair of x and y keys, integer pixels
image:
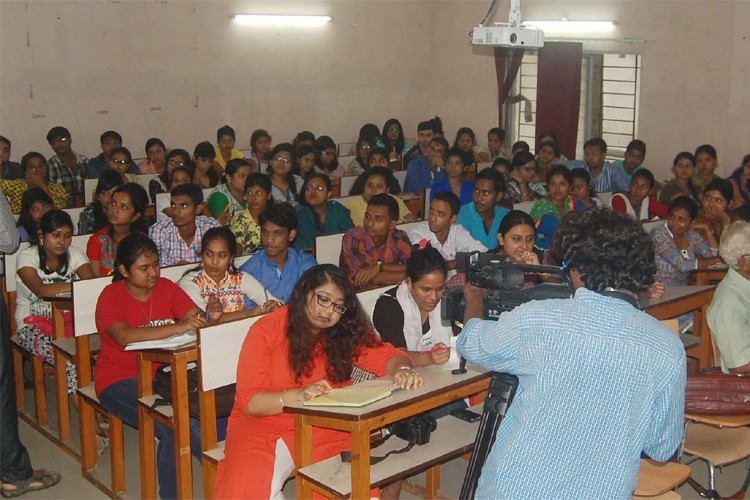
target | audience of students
[
  {"x": 426, "y": 170},
  {"x": 260, "y": 149},
  {"x": 548, "y": 154},
  {"x": 392, "y": 140},
  {"x": 305, "y": 160},
  {"x": 120, "y": 160},
  {"x": 638, "y": 203},
  {"x": 729, "y": 313},
  {"x": 245, "y": 224},
  {"x": 425, "y": 133},
  {"x": 523, "y": 185},
  {"x": 317, "y": 214},
  {"x": 547, "y": 212},
  {"x": 716, "y": 200},
  {"x": 377, "y": 180},
  {"x": 96, "y": 214},
  {"x": 66, "y": 167},
  {"x": 683, "y": 168},
  {"x": 34, "y": 204},
  {"x": 376, "y": 252},
  {"x": 229, "y": 195},
  {"x": 456, "y": 163},
  {"x": 707, "y": 162},
  {"x": 466, "y": 141},
  {"x": 583, "y": 190},
  {"x": 285, "y": 185},
  {"x": 496, "y": 144},
  {"x": 482, "y": 216},
  {"x": 224, "y": 151},
  {"x": 155, "y": 162},
  {"x": 635, "y": 154},
  {"x": 9, "y": 170},
  {"x": 326, "y": 159},
  {"x": 278, "y": 266},
  {"x": 35, "y": 175},
  {"x": 179, "y": 239},
  {"x": 204, "y": 173},
  {"x": 108, "y": 141},
  {"x": 605, "y": 176}
]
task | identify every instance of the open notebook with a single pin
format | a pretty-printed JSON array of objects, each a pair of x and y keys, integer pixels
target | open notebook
[
  {"x": 172, "y": 342},
  {"x": 354, "y": 395}
]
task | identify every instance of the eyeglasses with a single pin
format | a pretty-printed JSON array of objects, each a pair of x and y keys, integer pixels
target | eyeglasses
[
  {"x": 316, "y": 187},
  {"x": 282, "y": 159},
  {"x": 121, "y": 162},
  {"x": 261, "y": 193},
  {"x": 60, "y": 139},
  {"x": 174, "y": 162},
  {"x": 328, "y": 153},
  {"x": 394, "y": 129},
  {"x": 366, "y": 146},
  {"x": 324, "y": 301}
]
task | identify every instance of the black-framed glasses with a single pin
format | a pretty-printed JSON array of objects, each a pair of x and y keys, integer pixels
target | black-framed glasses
[
  {"x": 394, "y": 129},
  {"x": 316, "y": 187},
  {"x": 282, "y": 159},
  {"x": 121, "y": 162},
  {"x": 176, "y": 163},
  {"x": 324, "y": 301}
]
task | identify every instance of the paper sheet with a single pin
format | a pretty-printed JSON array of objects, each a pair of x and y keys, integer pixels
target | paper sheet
[{"x": 455, "y": 359}]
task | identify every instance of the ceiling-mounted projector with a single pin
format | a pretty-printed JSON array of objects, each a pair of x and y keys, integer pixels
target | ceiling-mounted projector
[{"x": 512, "y": 34}]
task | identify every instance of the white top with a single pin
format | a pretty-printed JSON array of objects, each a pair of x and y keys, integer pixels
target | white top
[
  {"x": 28, "y": 304},
  {"x": 249, "y": 286},
  {"x": 459, "y": 240}
]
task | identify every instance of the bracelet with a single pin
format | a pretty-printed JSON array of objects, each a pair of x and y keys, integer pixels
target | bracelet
[
  {"x": 410, "y": 368},
  {"x": 281, "y": 398}
]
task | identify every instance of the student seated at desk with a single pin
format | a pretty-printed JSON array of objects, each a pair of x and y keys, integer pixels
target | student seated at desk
[
  {"x": 285, "y": 185},
  {"x": 229, "y": 195},
  {"x": 225, "y": 152},
  {"x": 729, "y": 313},
  {"x": 305, "y": 160},
  {"x": 582, "y": 189},
  {"x": 378, "y": 157},
  {"x": 482, "y": 216},
  {"x": 179, "y": 238},
  {"x": 376, "y": 253},
  {"x": 716, "y": 200},
  {"x": 317, "y": 214},
  {"x": 66, "y": 167},
  {"x": 707, "y": 162},
  {"x": 426, "y": 170},
  {"x": 155, "y": 162},
  {"x": 523, "y": 185},
  {"x": 140, "y": 305},
  {"x": 605, "y": 176},
  {"x": 637, "y": 203},
  {"x": 176, "y": 158},
  {"x": 326, "y": 159},
  {"x": 277, "y": 266},
  {"x": 120, "y": 161},
  {"x": 360, "y": 162},
  {"x": 547, "y": 212},
  {"x": 683, "y": 167},
  {"x": 456, "y": 163},
  {"x": 44, "y": 269},
  {"x": 34, "y": 168},
  {"x": 108, "y": 141},
  {"x": 291, "y": 355},
  {"x": 96, "y": 214},
  {"x": 245, "y": 225},
  {"x": 9, "y": 170},
  {"x": 547, "y": 156},
  {"x": 377, "y": 180},
  {"x": 204, "y": 173},
  {"x": 179, "y": 176},
  {"x": 34, "y": 204}
]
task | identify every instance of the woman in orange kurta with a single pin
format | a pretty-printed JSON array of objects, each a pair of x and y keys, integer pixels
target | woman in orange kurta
[{"x": 293, "y": 354}]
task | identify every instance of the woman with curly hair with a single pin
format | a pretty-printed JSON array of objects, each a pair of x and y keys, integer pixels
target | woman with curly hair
[{"x": 293, "y": 354}]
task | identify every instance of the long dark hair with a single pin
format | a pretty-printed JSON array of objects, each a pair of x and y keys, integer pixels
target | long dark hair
[
  {"x": 285, "y": 147},
  {"x": 342, "y": 342},
  {"x": 31, "y": 196},
  {"x": 129, "y": 250},
  {"x": 52, "y": 221},
  {"x": 303, "y": 201},
  {"x": 218, "y": 233},
  {"x": 390, "y": 145},
  {"x": 139, "y": 199},
  {"x": 686, "y": 155},
  {"x": 108, "y": 180}
]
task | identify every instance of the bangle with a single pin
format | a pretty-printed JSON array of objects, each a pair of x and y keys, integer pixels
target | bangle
[
  {"x": 281, "y": 398},
  {"x": 410, "y": 368}
]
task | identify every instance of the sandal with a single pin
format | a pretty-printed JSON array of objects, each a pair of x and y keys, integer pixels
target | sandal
[{"x": 47, "y": 479}]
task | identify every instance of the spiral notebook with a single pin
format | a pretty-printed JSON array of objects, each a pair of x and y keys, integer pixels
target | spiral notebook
[{"x": 354, "y": 396}]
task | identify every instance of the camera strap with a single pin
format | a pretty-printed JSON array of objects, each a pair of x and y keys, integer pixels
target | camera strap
[
  {"x": 346, "y": 456},
  {"x": 626, "y": 295}
]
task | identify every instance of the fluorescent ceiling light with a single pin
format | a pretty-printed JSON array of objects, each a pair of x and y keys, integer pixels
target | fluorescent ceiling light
[
  {"x": 572, "y": 26},
  {"x": 281, "y": 20}
]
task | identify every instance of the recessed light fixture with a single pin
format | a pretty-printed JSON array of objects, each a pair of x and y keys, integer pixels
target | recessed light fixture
[
  {"x": 281, "y": 20},
  {"x": 572, "y": 27}
]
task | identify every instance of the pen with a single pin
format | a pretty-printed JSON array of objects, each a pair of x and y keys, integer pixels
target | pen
[{"x": 435, "y": 349}]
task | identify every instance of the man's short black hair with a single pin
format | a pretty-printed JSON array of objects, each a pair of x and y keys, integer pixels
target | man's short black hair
[
  {"x": 498, "y": 181},
  {"x": 608, "y": 248},
  {"x": 645, "y": 174},
  {"x": 636, "y": 145},
  {"x": 451, "y": 199},
  {"x": 190, "y": 190},
  {"x": 5, "y": 140},
  {"x": 258, "y": 179},
  {"x": 110, "y": 134},
  {"x": 58, "y": 133},
  {"x": 439, "y": 139},
  {"x": 225, "y": 130},
  {"x": 281, "y": 214},
  {"x": 385, "y": 200},
  {"x": 424, "y": 126},
  {"x": 596, "y": 142}
]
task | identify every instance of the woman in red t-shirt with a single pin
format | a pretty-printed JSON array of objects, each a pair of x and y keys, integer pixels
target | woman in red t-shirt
[{"x": 140, "y": 305}]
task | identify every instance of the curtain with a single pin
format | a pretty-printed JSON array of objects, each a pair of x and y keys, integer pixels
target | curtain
[
  {"x": 558, "y": 93},
  {"x": 505, "y": 80}
]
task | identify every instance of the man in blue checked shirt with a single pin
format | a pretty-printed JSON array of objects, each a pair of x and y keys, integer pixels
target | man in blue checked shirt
[{"x": 600, "y": 381}]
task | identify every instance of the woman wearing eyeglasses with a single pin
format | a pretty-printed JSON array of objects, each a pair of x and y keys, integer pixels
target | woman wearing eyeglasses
[
  {"x": 284, "y": 183},
  {"x": 291, "y": 355},
  {"x": 119, "y": 161},
  {"x": 522, "y": 186},
  {"x": 317, "y": 213}
]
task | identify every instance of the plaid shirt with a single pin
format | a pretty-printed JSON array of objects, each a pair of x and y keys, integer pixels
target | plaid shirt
[
  {"x": 358, "y": 250},
  {"x": 60, "y": 173},
  {"x": 172, "y": 248}
]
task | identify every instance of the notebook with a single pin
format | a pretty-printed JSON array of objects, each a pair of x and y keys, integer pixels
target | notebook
[
  {"x": 353, "y": 395},
  {"x": 172, "y": 342}
]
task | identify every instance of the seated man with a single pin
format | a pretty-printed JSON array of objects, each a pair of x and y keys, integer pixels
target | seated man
[
  {"x": 482, "y": 216},
  {"x": 635, "y": 153},
  {"x": 67, "y": 167},
  {"x": 277, "y": 266},
  {"x": 426, "y": 170},
  {"x": 376, "y": 253},
  {"x": 605, "y": 176},
  {"x": 108, "y": 141},
  {"x": 179, "y": 238},
  {"x": 425, "y": 133},
  {"x": 600, "y": 381},
  {"x": 442, "y": 231},
  {"x": 9, "y": 170}
]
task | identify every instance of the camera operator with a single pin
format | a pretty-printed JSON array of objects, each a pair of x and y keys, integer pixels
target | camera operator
[{"x": 600, "y": 381}]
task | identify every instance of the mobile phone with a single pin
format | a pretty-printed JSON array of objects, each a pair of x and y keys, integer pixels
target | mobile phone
[{"x": 465, "y": 415}]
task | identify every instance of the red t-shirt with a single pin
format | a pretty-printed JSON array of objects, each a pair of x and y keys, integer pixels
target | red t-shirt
[{"x": 167, "y": 305}]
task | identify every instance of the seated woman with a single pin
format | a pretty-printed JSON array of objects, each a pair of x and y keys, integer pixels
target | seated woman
[
  {"x": 34, "y": 204},
  {"x": 456, "y": 163},
  {"x": 305, "y": 161},
  {"x": 360, "y": 162},
  {"x": 374, "y": 181},
  {"x": 548, "y": 154},
  {"x": 204, "y": 173},
  {"x": 466, "y": 141},
  {"x": 229, "y": 195},
  {"x": 740, "y": 180},
  {"x": 137, "y": 306},
  {"x": 44, "y": 269},
  {"x": 378, "y": 158},
  {"x": 119, "y": 161},
  {"x": 707, "y": 163},
  {"x": 217, "y": 280},
  {"x": 180, "y": 176},
  {"x": 35, "y": 172},
  {"x": 245, "y": 224},
  {"x": 516, "y": 237},
  {"x": 260, "y": 149},
  {"x": 126, "y": 216},
  {"x": 522, "y": 185},
  {"x": 716, "y": 200},
  {"x": 327, "y": 161},
  {"x": 284, "y": 184},
  {"x": 496, "y": 144},
  {"x": 392, "y": 140},
  {"x": 683, "y": 168},
  {"x": 548, "y": 212},
  {"x": 729, "y": 313},
  {"x": 317, "y": 213},
  {"x": 291, "y": 355},
  {"x": 637, "y": 203},
  {"x": 175, "y": 158},
  {"x": 155, "y": 162},
  {"x": 226, "y": 140},
  {"x": 583, "y": 190},
  {"x": 96, "y": 214}
]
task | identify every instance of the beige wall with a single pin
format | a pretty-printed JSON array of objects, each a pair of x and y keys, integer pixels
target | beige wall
[{"x": 179, "y": 70}]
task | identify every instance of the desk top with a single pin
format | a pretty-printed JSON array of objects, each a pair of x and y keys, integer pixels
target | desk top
[
  {"x": 675, "y": 293},
  {"x": 58, "y": 297},
  {"x": 436, "y": 381}
]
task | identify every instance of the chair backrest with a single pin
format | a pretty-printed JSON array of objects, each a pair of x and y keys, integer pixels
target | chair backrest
[
  {"x": 483, "y": 165},
  {"x": 89, "y": 186},
  {"x": 426, "y": 212},
  {"x": 346, "y": 200},
  {"x": 328, "y": 248},
  {"x": 219, "y": 349},
  {"x": 651, "y": 225},
  {"x": 345, "y": 160},
  {"x": 10, "y": 260},
  {"x": 400, "y": 177},
  {"x": 369, "y": 297},
  {"x": 145, "y": 179},
  {"x": 174, "y": 273},
  {"x": 347, "y": 183},
  {"x": 525, "y": 206},
  {"x": 75, "y": 215},
  {"x": 605, "y": 197},
  {"x": 85, "y": 296},
  {"x": 409, "y": 225}
]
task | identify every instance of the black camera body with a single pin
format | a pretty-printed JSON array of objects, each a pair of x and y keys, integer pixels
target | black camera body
[{"x": 415, "y": 429}]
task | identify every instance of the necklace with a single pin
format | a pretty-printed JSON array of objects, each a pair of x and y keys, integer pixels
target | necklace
[{"x": 150, "y": 308}]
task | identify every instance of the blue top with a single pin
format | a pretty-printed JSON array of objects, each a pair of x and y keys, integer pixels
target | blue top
[
  {"x": 97, "y": 165},
  {"x": 278, "y": 282},
  {"x": 467, "y": 190},
  {"x": 470, "y": 219},
  {"x": 338, "y": 219},
  {"x": 612, "y": 179},
  {"x": 599, "y": 382},
  {"x": 420, "y": 176}
]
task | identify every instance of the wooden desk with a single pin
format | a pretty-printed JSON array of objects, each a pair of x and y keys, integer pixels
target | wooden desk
[
  {"x": 440, "y": 387},
  {"x": 60, "y": 304},
  {"x": 175, "y": 417},
  {"x": 684, "y": 299},
  {"x": 709, "y": 276},
  {"x": 415, "y": 204}
]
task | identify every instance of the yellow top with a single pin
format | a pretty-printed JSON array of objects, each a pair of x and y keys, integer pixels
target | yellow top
[
  {"x": 220, "y": 159},
  {"x": 14, "y": 190}
]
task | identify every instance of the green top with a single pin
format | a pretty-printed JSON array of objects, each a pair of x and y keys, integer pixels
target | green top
[
  {"x": 544, "y": 206},
  {"x": 221, "y": 198},
  {"x": 338, "y": 219}
]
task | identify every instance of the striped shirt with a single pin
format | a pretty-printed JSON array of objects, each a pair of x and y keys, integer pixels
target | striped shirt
[
  {"x": 172, "y": 248},
  {"x": 599, "y": 382}
]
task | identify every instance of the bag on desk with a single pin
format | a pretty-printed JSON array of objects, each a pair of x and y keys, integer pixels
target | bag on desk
[
  {"x": 163, "y": 387},
  {"x": 717, "y": 394}
]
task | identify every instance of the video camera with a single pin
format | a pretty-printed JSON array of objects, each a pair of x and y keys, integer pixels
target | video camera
[{"x": 504, "y": 279}]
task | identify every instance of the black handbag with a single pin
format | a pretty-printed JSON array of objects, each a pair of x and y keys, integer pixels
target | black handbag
[{"x": 224, "y": 396}]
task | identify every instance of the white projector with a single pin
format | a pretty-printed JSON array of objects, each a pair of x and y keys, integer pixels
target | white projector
[{"x": 508, "y": 36}]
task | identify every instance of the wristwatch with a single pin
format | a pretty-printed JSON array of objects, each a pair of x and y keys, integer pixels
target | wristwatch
[{"x": 380, "y": 266}]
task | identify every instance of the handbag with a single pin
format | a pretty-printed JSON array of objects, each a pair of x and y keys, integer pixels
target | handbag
[
  {"x": 717, "y": 394},
  {"x": 224, "y": 396}
]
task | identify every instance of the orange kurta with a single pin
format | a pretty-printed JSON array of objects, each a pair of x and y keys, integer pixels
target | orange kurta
[{"x": 249, "y": 454}]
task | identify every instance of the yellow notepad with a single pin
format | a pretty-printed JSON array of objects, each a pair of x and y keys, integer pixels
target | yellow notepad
[{"x": 355, "y": 396}]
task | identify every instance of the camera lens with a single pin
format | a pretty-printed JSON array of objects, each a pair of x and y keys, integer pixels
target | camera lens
[{"x": 513, "y": 38}]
